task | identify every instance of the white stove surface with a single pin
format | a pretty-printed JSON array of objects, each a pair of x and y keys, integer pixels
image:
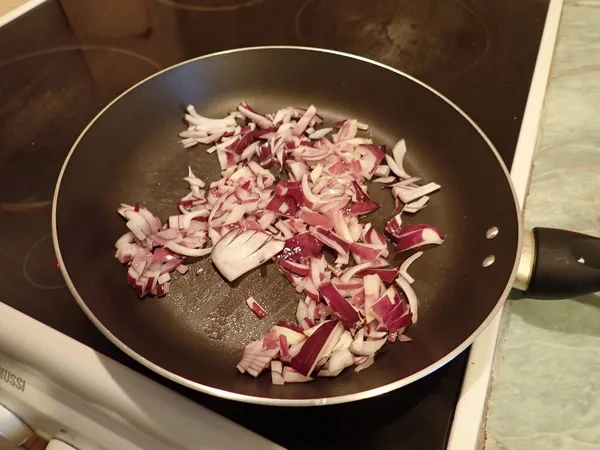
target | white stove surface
[{"x": 62, "y": 389}]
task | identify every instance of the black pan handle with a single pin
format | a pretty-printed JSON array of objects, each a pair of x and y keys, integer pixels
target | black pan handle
[{"x": 558, "y": 264}]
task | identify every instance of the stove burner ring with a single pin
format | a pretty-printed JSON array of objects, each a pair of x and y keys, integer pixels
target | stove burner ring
[
  {"x": 39, "y": 253},
  {"x": 236, "y": 4},
  {"x": 389, "y": 33},
  {"x": 68, "y": 48}
]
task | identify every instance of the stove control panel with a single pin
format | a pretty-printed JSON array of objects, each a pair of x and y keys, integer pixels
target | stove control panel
[{"x": 13, "y": 431}]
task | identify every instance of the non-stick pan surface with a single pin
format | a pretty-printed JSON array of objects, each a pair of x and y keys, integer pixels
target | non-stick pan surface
[{"x": 196, "y": 334}]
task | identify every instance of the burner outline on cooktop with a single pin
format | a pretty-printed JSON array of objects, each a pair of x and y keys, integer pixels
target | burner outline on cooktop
[
  {"x": 84, "y": 47},
  {"x": 391, "y": 42},
  {"x": 28, "y": 260},
  {"x": 241, "y": 4}
]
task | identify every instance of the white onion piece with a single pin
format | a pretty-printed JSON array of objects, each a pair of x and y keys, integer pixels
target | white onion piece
[
  {"x": 244, "y": 252},
  {"x": 360, "y": 347},
  {"x": 303, "y": 123},
  {"x": 399, "y": 151},
  {"x": 416, "y": 205},
  {"x": 180, "y": 249},
  {"x": 349, "y": 273},
  {"x": 344, "y": 341},
  {"x": 410, "y": 296},
  {"x": 394, "y": 167},
  {"x": 384, "y": 180},
  {"x": 365, "y": 365},
  {"x": 403, "y": 271},
  {"x": 320, "y": 134},
  {"x": 291, "y": 376},
  {"x": 338, "y": 361},
  {"x": 407, "y": 195},
  {"x": 301, "y": 314},
  {"x": 315, "y": 174},
  {"x": 310, "y": 331},
  {"x": 372, "y": 288},
  {"x": 382, "y": 171},
  {"x": 293, "y": 337},
  {"x": 260, "y": 120},
  {"x": 207, "y": 124},
  {"x": 307, "y": 192}
]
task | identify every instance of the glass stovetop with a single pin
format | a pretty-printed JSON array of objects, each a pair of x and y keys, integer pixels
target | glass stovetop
[{"x": 62, "y": 62}]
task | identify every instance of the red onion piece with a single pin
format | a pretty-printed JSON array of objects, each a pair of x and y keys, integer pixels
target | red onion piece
[
  {"x": 386, "y": 275},
  {"x": 393, "y": 227},
  {"x": 313, "y": 349},
  {"x": 256, "y": 308},
  {"x": 301, "y": 246},
  {"x": 340, "y": 306},
  {"x": 417, "y": 236},
  {"x": 294, "y": 267},
  {"x": 332, "y": 240},
  {"x": 377, "y": 153},
  {"x": 290, "y": 326},
  {"x": 293, "y": 336},
  {"x": 361, "y": 208},
  {"x": 256, "y": 358},
  {"x": 367, "y": 252},
  {"x": 259, "y": 119},
  {"x": 315, "y": 219}
]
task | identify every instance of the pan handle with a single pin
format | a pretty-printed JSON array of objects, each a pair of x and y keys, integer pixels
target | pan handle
[{"x": 558, "y": 264}]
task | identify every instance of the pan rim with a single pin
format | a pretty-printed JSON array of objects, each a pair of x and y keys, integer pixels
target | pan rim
[{"x": 281, "y": 401}]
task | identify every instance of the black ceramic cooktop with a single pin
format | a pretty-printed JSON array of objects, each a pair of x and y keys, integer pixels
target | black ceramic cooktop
[{"x": 63, "y": 61}]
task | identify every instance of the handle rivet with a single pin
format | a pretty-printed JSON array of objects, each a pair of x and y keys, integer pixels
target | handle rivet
[
  {"x": 492, "y": 233},
  {"x": 488, "y": 261}
]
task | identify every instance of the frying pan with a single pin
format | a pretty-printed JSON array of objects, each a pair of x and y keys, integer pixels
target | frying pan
[{"x": 195, "y": 335}]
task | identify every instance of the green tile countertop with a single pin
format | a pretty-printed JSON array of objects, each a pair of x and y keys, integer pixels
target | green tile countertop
[{"x": 546, "y": 380}]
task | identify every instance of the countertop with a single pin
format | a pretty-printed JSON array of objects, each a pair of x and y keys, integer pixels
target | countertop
[
  {"x": 546, "y": 384},
  {"x": 8, "y": 5}
]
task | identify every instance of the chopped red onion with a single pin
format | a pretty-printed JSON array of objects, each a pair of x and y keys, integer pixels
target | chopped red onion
[
  {"x": 417, "y": 236},
  {"x": 251, "y": 215},
  {"x": 332, "y": 240},
  {"x": 256, "y": 308},
  {"x": 315, "y": 347},
  {"x": 340, "y": 306}
]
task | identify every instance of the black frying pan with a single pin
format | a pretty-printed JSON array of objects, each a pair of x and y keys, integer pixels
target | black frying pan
[{"x": 195, "y": 336}]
